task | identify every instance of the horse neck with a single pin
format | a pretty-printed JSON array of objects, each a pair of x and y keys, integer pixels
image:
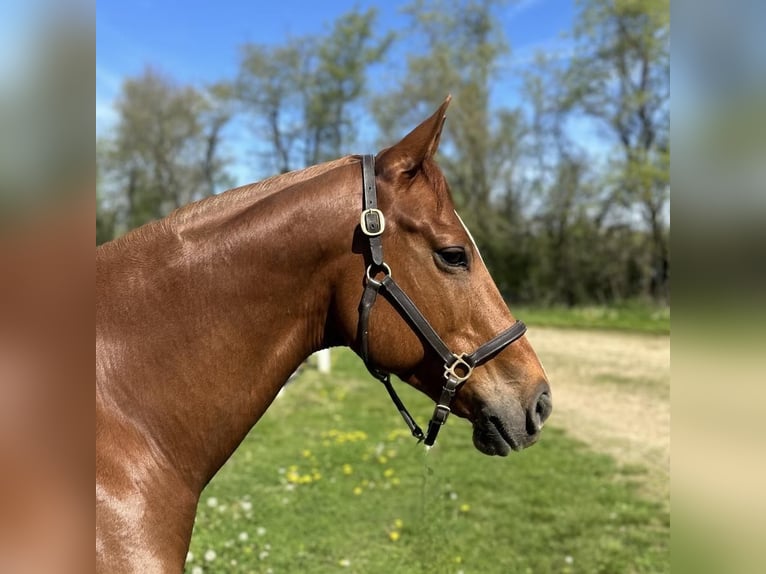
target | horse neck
[{"x": 226, "y": 311}]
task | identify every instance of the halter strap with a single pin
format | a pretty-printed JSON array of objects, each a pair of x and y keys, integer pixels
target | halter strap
[
  {"x": 457, "y": 368},
  {"x": 372, "y": 221},
  {"x": 365, "y": 308},
  {"x": 496, "y": 344}
]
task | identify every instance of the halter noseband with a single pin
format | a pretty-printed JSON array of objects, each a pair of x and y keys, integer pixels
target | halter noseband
[{"x": 457, "y": 368}]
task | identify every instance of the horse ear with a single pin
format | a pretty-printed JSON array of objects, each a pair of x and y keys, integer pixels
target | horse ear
[{"x": 420, "y": 144}]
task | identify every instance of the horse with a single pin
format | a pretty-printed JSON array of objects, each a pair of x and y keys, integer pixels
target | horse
[{"x": 202, "y": 316}]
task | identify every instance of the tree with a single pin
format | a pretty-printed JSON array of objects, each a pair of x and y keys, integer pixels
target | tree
[
  {"x": 269, "y": 90},
  {"x": 165, "y": 151},
  {"x": 559, "y": 178},
  {"x": 620, "y": 76},
  {"x": 463, "y": 44},
  {"x": 343, "y": 58},
  {"x": 106, "y": 214},
  {"x": 216, "y": 112},
  {"x": 301, "y": 94}
]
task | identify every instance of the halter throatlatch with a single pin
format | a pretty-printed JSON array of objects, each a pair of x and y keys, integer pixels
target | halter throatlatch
[{"x": 457, "y": 368}]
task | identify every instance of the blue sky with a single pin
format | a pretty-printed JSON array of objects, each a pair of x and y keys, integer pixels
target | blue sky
[{"x": 197, "y": 41}]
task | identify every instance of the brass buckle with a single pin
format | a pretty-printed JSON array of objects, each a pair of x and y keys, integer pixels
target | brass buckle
[
  {"x": 372, "y": 222},
  {"x": 459, "y": 370}
]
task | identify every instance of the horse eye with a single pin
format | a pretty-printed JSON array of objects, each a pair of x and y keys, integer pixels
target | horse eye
[{"x": 453, "y": 256}]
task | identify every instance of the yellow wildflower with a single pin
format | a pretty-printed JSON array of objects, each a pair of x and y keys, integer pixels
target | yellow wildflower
[
  {"x": 465, "y": 507},
  {"x": 394, "y": 535},
  {"x": 357, "y": 490},
  {"x": 347, "y": 469},
  {"x": 398, "y": 523}
]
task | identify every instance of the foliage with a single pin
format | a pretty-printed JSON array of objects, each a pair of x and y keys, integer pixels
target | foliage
[
  {"x": 462, "y": 45},
  {"x": 330, "y": 480},
  {"x": 300, "y": 94},
  {"x": 165, "y": 149},
  {"x": 563, "y": 215},
  {"x": 620, "y": 75},
  {"x": 599, "y": 231},
  {"x": 544, "y": 212}
]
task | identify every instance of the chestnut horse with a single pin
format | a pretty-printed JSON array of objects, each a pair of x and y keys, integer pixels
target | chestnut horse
[{"x": 201, "y": 318}]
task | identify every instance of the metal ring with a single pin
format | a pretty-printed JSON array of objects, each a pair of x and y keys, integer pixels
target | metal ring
[{"x": 382, "y": 267}]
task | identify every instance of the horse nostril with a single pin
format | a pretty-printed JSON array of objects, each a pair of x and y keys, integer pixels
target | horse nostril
[
  {"x": 544, "y": 406},
  {"x": 539, "y": 411}
]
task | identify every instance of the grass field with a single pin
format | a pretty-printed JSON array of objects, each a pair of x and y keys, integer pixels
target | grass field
[
  {"x": 632, "y": 316},
  {"x": 330, "y": 481}
]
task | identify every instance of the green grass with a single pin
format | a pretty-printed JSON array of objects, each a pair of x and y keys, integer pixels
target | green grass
[
  {"x": 330, "y": 481},
  {"x": 633, "y": 316}
]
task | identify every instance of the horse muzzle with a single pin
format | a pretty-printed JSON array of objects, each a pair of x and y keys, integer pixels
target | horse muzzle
[{"x": 502, "y": 426}]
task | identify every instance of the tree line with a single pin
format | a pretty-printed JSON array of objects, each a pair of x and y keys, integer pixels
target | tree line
[{"x": 566, "y": 193}]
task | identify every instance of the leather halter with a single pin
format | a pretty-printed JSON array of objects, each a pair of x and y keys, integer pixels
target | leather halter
[{"x": 457, "y": 368}]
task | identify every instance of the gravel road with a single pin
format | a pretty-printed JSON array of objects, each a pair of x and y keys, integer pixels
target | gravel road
[{"x": 612, "y": 391}]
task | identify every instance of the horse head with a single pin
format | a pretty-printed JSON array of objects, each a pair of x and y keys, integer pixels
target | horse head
[{"x": 434, "y": 260}]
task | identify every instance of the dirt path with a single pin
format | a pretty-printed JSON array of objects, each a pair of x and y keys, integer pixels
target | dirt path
[{"x": 612, "y": 391}]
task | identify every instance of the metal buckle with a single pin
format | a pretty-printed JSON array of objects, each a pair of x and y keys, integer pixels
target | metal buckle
[
  {"x": 372, "y": 222},
  {"x": 385, "y": 269},
  {"x": 441, "y": 412},
  {"x": 458, "y": 366}
]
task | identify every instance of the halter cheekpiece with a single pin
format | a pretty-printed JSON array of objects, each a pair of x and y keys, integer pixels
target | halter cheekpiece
[{"x": 457, "y": 368}]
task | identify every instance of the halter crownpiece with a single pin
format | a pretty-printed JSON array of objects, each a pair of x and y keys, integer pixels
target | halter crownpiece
[{"x": 457, "y": 368}]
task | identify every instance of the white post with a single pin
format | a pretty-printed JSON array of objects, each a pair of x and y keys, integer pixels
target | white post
[{"x": 323, "y": 361}]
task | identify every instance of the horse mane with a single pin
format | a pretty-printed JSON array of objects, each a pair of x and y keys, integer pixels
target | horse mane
[
  {"x": 222, "y": 207},
  {"x": 243, "y": 196}
]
